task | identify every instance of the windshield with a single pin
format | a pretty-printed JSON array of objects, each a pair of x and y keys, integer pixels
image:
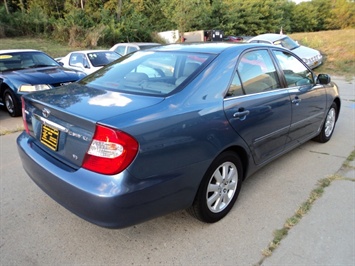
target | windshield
[
  {"x": 148, "y": 72},
  {"x": 23, "y": 60},
  {"x": 287, "y": 42},
  {"x": 98, "y": 59}
]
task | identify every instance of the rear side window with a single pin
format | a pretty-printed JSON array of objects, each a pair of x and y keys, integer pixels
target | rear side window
[
  {"x": 235, "y": 89},
  {"x": 296, "y": 73},
  {"x": 257, "y": 72},
  {"x": 131, "y": 49},
  {"x": 121, "y": 50}
]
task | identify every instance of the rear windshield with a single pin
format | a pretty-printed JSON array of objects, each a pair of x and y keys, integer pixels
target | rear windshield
[{"x": 149, "y": 72}]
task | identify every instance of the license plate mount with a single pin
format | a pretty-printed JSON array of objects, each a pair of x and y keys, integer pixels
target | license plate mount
[{"x": 50, "y": 137}]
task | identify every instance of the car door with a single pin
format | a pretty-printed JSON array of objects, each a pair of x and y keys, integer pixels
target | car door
[
  {"x": 308, "y": 99},
  {"x": 257, "y": 106}
]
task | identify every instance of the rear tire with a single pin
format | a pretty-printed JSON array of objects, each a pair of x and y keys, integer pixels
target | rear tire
[
  {"x": 219, "y": 188},
  {"x": 11, "y": 104},
  {"x": 329, "y": 125}
]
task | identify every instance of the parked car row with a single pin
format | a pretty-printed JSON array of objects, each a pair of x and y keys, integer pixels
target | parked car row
[
  {"x": 172, "y": 127},
  {"x": 23, "y": 71}
]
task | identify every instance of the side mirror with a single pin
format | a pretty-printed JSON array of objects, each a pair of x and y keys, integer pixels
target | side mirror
[{"x": 323, "y": 79}]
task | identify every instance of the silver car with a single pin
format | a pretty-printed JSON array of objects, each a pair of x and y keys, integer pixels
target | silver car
[
  {"x": 311, "y": 57},
  {"x": 126, "y": 48},
  {"x": 88, "y": 61}
]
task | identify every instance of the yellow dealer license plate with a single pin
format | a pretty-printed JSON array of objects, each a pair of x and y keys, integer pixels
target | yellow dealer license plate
[{"x": 50, "y": 137}]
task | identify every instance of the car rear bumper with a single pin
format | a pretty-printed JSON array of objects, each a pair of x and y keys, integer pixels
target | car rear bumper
[{"x": 109, "y": 201}]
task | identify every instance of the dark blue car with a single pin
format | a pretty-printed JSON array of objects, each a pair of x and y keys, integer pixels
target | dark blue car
[
  {"x": 170, "y": 128},
  {"x": 23, "y": 71}
]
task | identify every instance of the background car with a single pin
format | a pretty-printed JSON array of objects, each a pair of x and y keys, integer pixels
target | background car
[
  {"x": 88, "y": 61},
  {"x": 311, "y": 57},
  {"x": 129, "y": 145},
  {"x": 126, "y": 48},
  {"x": 23, "y": 71},
  {"x": 233, "y": 39}
]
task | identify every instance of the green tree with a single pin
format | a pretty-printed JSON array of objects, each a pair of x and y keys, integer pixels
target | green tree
[
  {"x": 342, "y": 15},
  {"x": 323, "y": 13},
  {"x": 256, "y": 16},
  {"x": 308, "y": 20},
  {"x": 186, "y": 15},
  {"x": 217, "y": 18}
]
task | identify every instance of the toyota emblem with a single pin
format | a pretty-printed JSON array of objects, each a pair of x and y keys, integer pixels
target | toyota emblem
[{"x": 46, "y": 112}]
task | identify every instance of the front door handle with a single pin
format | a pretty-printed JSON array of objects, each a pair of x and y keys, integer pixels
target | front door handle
[
  {"x": 296, "y": 101},
  {"x": 241, "y": 114}
]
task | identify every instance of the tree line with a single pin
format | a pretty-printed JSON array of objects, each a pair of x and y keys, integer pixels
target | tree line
[{"x": 89, "y": 23}]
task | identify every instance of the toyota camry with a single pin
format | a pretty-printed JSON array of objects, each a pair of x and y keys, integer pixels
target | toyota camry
[{"x": 172, "y": 127}]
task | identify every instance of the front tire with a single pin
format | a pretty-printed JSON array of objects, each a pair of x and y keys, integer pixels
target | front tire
[
  {"x": 219, "y": 188},
  {"x": 11, "y": 104},
  {"x": 329, "y": 125}
]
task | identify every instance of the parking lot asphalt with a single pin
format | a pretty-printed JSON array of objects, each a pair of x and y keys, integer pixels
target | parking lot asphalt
[
  {"x": 8, "y": 123},
  {"x": 324, "y": 236}
]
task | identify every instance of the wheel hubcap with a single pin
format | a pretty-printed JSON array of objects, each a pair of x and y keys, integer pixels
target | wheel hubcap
[
  {"x": 221, "y": 187},
  {"x": 329, "y": 122},
  {"x": 9, "y": 103}
]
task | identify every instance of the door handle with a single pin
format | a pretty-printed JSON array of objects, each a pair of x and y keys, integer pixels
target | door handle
[
  {"x": 241, "y": 114},
  {"x": 296, "y": 101}
]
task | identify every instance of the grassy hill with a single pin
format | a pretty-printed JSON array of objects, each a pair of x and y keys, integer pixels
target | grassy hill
[{"x": 338, "y": 48}]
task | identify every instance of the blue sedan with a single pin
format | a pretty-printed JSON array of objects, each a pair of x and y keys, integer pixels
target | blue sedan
[{"x": 170, "y": 128}]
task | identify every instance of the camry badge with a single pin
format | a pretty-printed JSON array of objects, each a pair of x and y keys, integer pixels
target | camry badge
[{"x": 46, "y": 112}]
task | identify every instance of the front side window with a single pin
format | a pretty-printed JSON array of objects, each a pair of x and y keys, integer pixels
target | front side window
[
  {"x": 296, "y": 73},
  {"x": 77, "y": 59},
  {"x": 98, "y": 59},
  {"x": 257, "y": 72}
]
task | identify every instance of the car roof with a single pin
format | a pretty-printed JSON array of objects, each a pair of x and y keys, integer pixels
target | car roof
[
  {"x": 91, "y": 51},
  {"x": 269, "y": 37},
  {"x": 206, "y": 47},
  {"x": 18, "y": 50},
  {"x": 137, "y": 43}
]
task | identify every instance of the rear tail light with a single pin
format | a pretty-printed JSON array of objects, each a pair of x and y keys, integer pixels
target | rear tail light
[
  {"x": 24, "y": 116},
  {"x": 110, "y": 152}
]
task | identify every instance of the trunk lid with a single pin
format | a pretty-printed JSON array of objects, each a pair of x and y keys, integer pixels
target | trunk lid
[{"x": 63, "y": 121}]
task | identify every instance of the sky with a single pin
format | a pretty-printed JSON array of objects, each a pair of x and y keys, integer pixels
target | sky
[{"x": 299, "y": 1}]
